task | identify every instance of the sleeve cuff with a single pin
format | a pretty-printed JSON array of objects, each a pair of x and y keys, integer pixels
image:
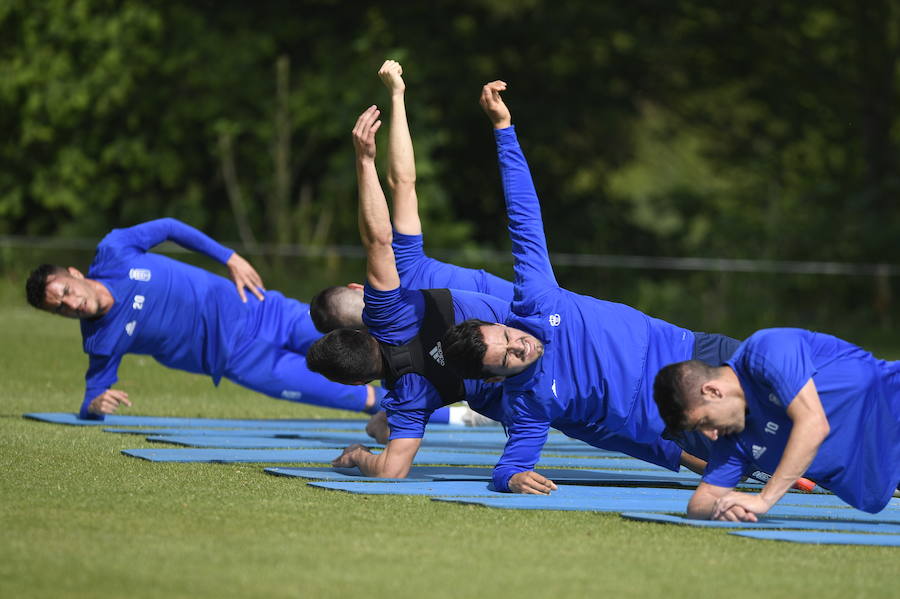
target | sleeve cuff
[
  {"x": 506, "y": 136},
  {"x": 501, "y": 479},
  {"x": 223, "y": 254}
]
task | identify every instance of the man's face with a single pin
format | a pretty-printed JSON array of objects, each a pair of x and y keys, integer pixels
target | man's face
[
  {"x": 509, "y": 351},
  {"x": 72, "y": 296},
  {"x": 717, "y": 416}
]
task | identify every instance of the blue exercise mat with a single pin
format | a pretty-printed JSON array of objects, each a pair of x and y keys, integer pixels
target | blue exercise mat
[
  {"x": 302, "y": 440},
  {"x": 458, "y": 473},
  {"x": 768, "y": 523},
  {"x": 160, "y": 421},
  {"x": 685, "y": 479},
  {"x": 466, "y": 488},
  {"x": 557, "y": 502},
  {"x": 821, "y": 538},
  {"x": 472, "y": 441},
  {"x": 346, "y": 437},
  {"x": 278, "y": 433},
  {"x": 425, "y": 456},
  {"x": 341, "y": 474},
  {"x": 567, "y": 493},
  {"x": 245, "y": 442},
  {"x": 119, "y": 420},
  {"x": 485, "y": 440}
]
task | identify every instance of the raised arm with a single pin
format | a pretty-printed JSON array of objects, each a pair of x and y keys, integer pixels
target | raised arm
[
  {"x": 401, "y": 178},
  {"x": 147, "y": 235},
  {"x": 151, "y": 233},
  {"x": 374, "y": 220},
  {"x": 809, "y": 430},
  {"x": 526, "y": 228}
]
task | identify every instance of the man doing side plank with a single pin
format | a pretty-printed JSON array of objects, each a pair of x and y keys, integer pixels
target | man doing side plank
[
  {"x": 404, "y": 327},
  {"x": 573, "y": 362},
  {"x": 138, "y": 302},
  {"x": 794, "y": 402}
]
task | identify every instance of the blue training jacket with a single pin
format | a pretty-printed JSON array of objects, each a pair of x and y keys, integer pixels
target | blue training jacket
[
  {"x": 183, "y": 316},
  {"x": 595, "y": 379},
  {"x": 859, "y": 461}
]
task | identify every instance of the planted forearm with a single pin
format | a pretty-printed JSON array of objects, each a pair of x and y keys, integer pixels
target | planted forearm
[
  {"x": 801, "y": 449},
  {"x": 703, "y": 501}
]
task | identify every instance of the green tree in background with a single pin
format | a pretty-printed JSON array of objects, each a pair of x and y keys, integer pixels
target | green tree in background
[{"x": 687, "y": 127}]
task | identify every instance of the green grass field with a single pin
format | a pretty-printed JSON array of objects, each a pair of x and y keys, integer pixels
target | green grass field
[{"x": 81, "y": 520}]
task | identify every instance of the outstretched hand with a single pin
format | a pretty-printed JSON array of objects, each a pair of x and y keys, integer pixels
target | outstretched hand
[
  {"x": 108, "y": 402},
  {"x": 364, "y": 133},
  {"x": 390, "y": 73},
  {"x": 245, "y": 276},
  {"x": 493, "y": 105}
]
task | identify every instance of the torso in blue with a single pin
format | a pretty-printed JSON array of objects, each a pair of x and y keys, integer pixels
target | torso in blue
[
  {"x": 394, "y": 317},
  {"x": 860, "y": 459},
  {"x": 594, "y": 380}
]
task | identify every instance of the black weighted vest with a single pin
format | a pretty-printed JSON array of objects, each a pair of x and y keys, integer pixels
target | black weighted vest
[{"x": 423, "y": 354}]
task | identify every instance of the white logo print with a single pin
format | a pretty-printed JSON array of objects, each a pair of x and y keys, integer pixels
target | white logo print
[
  {"x": 129, "y": 328},
  {"x": 291, "y": 394},
  {"x": 774, "y": 399},
  {"x": 554, "y": 320},
  {"x": 761, "y": 476},
  {"x": 138, "y": 302},
  {"x": 553, "y": 388},
  {"x": 438, "y": 354},
  {"x": 771, "y": 428},
  {"x": 758, "y": 450},
  {"x": 139, "y": 274}
]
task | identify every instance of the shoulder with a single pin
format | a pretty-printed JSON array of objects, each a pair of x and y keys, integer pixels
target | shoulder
[{"x": 766, "y": 347}]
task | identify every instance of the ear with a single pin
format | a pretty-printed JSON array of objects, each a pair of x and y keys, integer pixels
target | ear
[
  {"x": 355, "y": 286},
  {"x": 710, "y": 390},
  {"x": 495, "y": 379},
  {"x": 74, "y": 272}
]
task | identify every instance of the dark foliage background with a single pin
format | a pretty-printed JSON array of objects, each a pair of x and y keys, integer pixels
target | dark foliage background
[{"x": 764, "y": 130}]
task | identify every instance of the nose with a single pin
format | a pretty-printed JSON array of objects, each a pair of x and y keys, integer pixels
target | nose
[{"x": 711, "y": 434}]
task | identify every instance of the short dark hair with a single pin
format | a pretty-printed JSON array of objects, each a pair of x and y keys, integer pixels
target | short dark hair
[
  {"x": 36, "y": 285},
  {"x": 325, "y": 309},
  {"x": 464, "y": 349},
  {"x": 346, "y": 356},
  {"x": 676, "y": 388}
]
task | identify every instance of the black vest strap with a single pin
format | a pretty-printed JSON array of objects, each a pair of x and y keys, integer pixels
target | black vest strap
[{"x": 423, "y": 354}]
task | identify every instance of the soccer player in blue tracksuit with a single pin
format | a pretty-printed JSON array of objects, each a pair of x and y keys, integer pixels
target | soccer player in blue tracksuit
[
  {"x": 395, "y": 317},
  {"x": 792, "y": 401},
  {"x": 338, "y": 307},
  {"x": 579, "y": 364},
  {"x": 135, "y": 301}
]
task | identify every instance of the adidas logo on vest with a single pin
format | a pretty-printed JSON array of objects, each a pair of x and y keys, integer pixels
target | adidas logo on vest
[{"x": 438, "y": 354}]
